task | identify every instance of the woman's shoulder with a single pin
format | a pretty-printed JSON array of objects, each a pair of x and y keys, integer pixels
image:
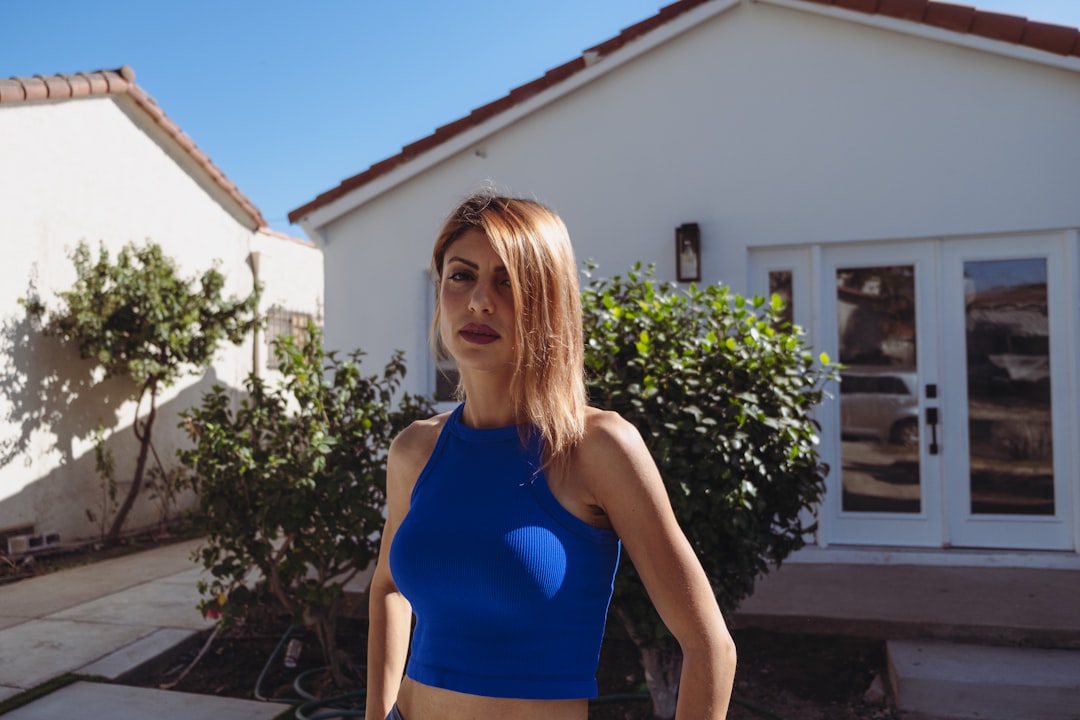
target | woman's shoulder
[
  {"x": 612, "y": 460},
  {"x": 609, "y": 437},
  {"x": 417, "y": 441},
  {"x": 608, "y": 426}
]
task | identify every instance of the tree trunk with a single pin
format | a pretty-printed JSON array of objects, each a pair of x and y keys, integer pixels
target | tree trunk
[
  {"x": 324, "y": 623},
  {"x": 663, "y": 666},
  {"x": 661, "y": 660},
  {"x": 140, "y": 467}
]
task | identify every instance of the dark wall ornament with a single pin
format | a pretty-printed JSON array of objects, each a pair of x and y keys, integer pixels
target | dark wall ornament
[{"x": 688, "y": 253}]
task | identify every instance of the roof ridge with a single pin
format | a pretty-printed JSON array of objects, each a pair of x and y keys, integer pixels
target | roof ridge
[
  {"x": 61, "y": 86},
  {"x": 121, "y": 81},
  {"x": 1015, "y": 29}
]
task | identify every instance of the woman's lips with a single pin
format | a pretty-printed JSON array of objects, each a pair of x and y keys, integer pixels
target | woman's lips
[{"x": 478, "y": 334}]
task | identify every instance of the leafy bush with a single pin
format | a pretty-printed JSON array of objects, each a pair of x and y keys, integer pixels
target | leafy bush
[
  {"x": 722, "y": 391},
  {"x": 137, "y": 318},
  {"x": 292, "y": 484}
]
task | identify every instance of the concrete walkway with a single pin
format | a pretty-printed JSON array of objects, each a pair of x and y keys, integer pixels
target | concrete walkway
[
  {"x": 111, "y": 618},
  {"x": 108, "y": 619}
]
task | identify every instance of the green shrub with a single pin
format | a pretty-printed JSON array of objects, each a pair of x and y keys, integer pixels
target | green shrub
[
  {"x": 292, "y": 485},
  {"x": 136, "y": 317},
  {"x": 722, "y": 391}
]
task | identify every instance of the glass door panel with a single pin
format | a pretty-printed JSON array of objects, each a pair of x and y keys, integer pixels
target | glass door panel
[
  {"x": 1010, "y": 423},
  {"x": 1006, "y": 340},
  {"x": 879, "y": 403},
  {"x": 880, "y": 322},
  {"x": 780, "y": 285}
]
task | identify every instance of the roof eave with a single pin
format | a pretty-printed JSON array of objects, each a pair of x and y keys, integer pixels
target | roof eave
[
  {"x": 226, "y": 190},
  {"x": 191, "y": 160},
  {"x": 941, "y": 34},
  {"x": 910, "y": 17},
  {"x": 595, "y": 65}
]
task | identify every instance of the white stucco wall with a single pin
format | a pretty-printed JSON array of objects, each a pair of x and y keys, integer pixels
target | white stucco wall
[
  {"x": 96, "y": 169},
  {"x": 765, "y": 125},
  {"x": 291, "y": 272}
]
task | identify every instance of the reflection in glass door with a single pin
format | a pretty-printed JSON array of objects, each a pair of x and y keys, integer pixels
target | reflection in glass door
[
  {"x": 1010, "y": 482},
  {"x": 955, "y": 420},
  {"x": 880, "y": 322},
  {"x": 1010, "y": 424},
  {"x": 879, "y": 402}
]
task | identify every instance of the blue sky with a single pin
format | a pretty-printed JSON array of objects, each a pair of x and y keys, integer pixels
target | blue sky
[{"x": 288, "y": 98}]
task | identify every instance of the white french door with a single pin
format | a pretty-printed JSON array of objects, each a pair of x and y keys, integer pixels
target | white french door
[
  {"x": 1009, "y": 374},
  {"x": 954, "y": 424},
  {"x": 880, "y": 320}
]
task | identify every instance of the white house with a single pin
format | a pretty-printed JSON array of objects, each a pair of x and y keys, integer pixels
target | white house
[
  {"x": 92, "y": 157},
  {"x": 905, "y": 171}
]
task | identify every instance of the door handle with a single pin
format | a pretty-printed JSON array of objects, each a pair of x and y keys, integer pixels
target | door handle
[{"x": 932, "y": 423}]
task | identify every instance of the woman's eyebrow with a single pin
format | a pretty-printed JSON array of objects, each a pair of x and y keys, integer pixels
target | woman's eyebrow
[{"x": 470, "y": 263}]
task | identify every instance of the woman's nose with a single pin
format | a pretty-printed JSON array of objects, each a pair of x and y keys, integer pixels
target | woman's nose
[{"x": 480, "y": 300}]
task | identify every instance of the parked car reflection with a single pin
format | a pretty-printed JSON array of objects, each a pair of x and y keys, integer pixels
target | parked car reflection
[{"x": 879, "y": 403}]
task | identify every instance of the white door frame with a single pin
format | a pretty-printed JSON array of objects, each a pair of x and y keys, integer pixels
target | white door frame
[
  {"x": 923, "y": 528},
  {"x": 943, "y": 520},
  {"x": 964, "y": 528}
]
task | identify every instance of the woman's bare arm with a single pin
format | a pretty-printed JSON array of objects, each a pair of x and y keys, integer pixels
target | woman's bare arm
[
  {"x": 629, "y": 488},
  {"x": 389, "y": 613}
]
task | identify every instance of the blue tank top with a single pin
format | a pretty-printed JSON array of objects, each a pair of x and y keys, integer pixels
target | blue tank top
[{"x": 509, "y": 588}]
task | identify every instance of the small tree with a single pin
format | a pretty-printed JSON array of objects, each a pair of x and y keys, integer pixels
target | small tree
[
  {"x": 138, "y": 318},
  {"x": 722, "y": 392},
  {"x": 106, "y": 470},
  {"x": 292, "y": 485}
]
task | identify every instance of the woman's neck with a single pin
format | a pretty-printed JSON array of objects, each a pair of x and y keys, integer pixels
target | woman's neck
[{"x": 487, "y": 401}]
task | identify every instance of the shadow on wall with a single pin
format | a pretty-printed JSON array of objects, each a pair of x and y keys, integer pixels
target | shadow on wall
[
  {"x": 50, "y": 406},
  {"x": 48, "y": 389}
]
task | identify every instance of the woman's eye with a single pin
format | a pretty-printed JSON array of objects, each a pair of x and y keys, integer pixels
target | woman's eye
[{"x": 460, "y": 275}]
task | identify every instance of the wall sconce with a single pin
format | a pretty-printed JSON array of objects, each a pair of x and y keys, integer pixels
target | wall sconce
[{"x": 688, "y": 252}]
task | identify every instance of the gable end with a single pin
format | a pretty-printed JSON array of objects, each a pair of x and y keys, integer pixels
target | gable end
[{"x": 122, "y": 82}]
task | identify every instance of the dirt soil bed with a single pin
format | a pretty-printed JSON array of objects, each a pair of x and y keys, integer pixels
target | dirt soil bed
[{"x": 780, "y": 676}]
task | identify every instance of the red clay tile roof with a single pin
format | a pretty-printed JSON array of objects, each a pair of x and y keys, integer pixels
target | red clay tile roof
[
  {"x": 1014, "y": 29},
  {"x": 121, "y": 81}
]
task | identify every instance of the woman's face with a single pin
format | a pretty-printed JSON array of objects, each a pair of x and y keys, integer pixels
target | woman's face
[{"x": 477, "y": 305}]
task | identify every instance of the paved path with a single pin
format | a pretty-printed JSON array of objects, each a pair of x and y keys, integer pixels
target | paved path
[{"x": 108, "y": 619}]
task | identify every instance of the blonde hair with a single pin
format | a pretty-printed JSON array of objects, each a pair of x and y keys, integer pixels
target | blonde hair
[{"x": 548, "y": 383}]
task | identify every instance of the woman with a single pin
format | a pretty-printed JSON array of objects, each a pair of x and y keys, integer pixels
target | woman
[{"x": 505, "y": 516}]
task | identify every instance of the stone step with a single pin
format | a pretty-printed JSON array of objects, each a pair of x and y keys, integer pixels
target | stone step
[{"x": 952, "y": 680}]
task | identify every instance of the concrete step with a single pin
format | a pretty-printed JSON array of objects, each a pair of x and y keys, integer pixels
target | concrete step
[
  {"x": 952, "y": 680},
  {"x": 979, "y": 605}
]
